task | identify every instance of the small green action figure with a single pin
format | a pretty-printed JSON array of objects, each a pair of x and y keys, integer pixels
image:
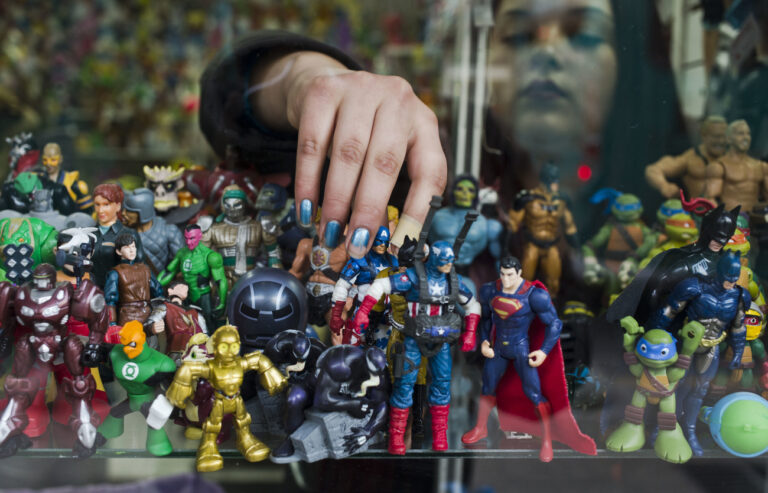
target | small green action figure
[
  {"x": 139, "y": 369},
  {"x": 624, "y": 240},
  {"x": 653, "y": 359},
  {"x": 198, "y": 265}
]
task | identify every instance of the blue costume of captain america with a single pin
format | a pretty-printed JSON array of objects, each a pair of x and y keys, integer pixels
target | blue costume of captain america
[
  {"x": 432, "y": 324},
  {"x": 360, "y": 272},
  {"x": 511, "y": 316},
  {"x": 717, "y": 307}
]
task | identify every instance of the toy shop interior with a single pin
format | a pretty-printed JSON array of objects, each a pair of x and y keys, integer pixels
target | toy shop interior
[{"x": 414, "y": 245}]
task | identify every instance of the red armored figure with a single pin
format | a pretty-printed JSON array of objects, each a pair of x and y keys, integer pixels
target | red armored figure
[{"x": 43, "y": 307}]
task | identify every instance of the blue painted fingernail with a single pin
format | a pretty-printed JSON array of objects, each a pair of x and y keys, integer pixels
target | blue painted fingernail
[
  {"x": 332, "y": 230},
  {"x": 305, "y": 213},
  {"x": 358, "y": 245}
]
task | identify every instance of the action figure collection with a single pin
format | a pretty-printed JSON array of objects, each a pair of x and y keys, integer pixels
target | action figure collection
[{"x": 180, "y": 297}]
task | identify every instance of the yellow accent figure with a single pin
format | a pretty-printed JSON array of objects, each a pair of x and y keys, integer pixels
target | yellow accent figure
[{"x": 225, "y": 372}]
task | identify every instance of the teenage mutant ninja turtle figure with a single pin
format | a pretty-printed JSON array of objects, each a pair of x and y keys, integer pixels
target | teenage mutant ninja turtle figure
[
  {"x": 653, "y": 359},
  {"x": 624, "y": 239},
  {"x": 679, "y": 230}
]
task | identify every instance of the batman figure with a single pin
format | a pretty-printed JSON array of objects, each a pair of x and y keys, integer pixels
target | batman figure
[{"x": 650, "y": 288}]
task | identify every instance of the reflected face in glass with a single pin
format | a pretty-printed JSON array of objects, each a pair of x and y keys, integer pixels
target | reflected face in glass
[{"x": 552, "y": 71}]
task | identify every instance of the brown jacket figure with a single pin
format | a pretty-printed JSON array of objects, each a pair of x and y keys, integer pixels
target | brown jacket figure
[
  {"x": 177, "y": 320},
  {"x": 544, "y": 217},
  {"x": 736, "y": 178},
  {"x": 691, "y": 166},
  {"x": 130, "y": 285}
]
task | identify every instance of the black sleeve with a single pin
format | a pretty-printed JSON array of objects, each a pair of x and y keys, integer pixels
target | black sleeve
[{"x": 225, "y": 116}]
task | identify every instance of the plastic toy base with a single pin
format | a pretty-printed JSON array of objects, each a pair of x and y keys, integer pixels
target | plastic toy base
[{"x": 322, "y": 436}]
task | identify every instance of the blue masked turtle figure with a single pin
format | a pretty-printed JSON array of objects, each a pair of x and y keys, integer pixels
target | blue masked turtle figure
[{"x": 658, "y": 368}]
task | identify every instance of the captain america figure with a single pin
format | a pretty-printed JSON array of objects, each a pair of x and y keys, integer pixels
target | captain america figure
[
  {"x": 719, "y": 304},
  {"x": 360, "y": 273},
  {"x": 432, "y": 324}
]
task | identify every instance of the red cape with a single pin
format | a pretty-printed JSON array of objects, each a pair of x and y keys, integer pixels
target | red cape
[{"x": 517, "y": 413}]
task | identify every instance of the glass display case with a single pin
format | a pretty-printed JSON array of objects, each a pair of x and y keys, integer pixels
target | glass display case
[{"x": 569, "y": 126}]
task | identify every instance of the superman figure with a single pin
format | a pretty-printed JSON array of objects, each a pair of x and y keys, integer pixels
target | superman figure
[{"x": 518, "y": 316}]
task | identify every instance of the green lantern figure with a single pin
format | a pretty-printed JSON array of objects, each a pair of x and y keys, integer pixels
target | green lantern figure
[
  {"x": 140, "y": 369},
  {"x": 199, "y": 265},
  {"x": 653, "y": 360}
]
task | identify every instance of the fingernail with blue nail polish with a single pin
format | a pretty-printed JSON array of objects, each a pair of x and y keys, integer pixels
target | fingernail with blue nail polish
[
  {"x": 332, "y": 230},
  {"x": 359, "y": 243},
  {"x": 305, "y": 213}
]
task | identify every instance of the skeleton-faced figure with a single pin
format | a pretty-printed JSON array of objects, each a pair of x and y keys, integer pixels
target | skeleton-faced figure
[
  {"x": 238, "y": 237},
  {"x": 175, "y": 204},
  {"x": 484, "y": 233},
  {"x": 45, "y": 306}
]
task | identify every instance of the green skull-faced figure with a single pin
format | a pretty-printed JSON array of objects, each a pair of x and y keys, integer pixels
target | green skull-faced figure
[{"x": 654, "y": 361}]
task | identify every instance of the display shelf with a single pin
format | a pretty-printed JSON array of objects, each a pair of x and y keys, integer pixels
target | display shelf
[{"x": 130, "y": 446}]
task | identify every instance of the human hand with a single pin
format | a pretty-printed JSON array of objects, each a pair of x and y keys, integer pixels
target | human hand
[{"x": 368, "y": 124}]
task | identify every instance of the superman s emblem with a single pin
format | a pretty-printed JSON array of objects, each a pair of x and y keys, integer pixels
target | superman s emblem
[{"x": 504, "y": 307}]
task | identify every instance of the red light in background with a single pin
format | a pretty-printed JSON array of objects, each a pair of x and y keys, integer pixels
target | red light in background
[{"x": 584, "y": 172}]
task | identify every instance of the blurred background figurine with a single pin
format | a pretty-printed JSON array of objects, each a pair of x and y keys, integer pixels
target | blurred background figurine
[
  {"x": 623, "y": 241},
  {"x": 77, "y": 189},
  {"x": 690, "y": 168},
  {"x": 544, "y": 217},
  {"x": 737, "y": 179}
]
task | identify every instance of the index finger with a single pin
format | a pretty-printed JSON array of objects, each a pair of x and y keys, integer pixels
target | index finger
[{"x": 428, "y": 172}]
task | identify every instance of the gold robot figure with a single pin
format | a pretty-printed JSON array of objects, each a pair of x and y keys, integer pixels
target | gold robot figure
[{"x": 225, "y": 372}]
